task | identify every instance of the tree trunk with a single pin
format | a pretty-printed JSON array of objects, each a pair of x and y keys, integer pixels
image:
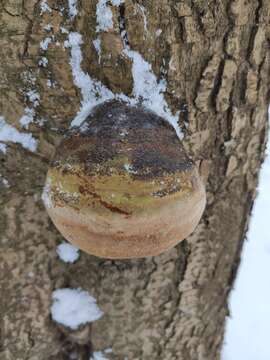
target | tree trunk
[{"x": 215, "y": 57}]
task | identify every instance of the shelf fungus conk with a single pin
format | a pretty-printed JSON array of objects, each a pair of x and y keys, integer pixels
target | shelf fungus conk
[{"x": 121, "y": 185}]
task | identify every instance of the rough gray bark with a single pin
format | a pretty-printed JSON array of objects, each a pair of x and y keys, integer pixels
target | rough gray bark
[{"x": 215, "y": 56}]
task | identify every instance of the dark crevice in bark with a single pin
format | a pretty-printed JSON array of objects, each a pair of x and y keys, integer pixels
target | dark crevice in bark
[
  {"x": 253, "y": 31},
  {"x": 122, "y": 23},
  {"x": 150, "y": 273},
  {"x": 24, "y": 9},
  {"x": 85, "y": 352},
  {"x": 217, "y": 84},
  {"x": 27, "y": 39},
  {"x": 28, "y": 31},
  {"x": 182, "y": 31},
  {"x": 199, "y": 14},
  {"x": 229, "y": 118},
  {"x": 69, "y": 348},
  {"x": 230, "y": 27},
  {"x": 9, "y": 13},
  {"x": 259, "y": 73},
  {"x": 243, "y": 86}
]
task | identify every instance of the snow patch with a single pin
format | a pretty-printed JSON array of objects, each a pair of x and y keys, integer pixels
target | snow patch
[
  {"x": 45, "y": 43},
  {"x": 50, "y": 83},
  {"x": 48, "y": 27},
  {"x": 72, "y": 8},
  {"x": 43, "y": 61},
  {"x": 63, "y": 30},
  {"x": 98, "y": 355},
  {"x": 108, "y": 351},
  {"x": 93, "y": 92},
  {"x": 44, "y": 7},
  {"x": 3, "y": 148},
  {"x": 158, "y": 32},
  {"x": 142, "y": 8},
  {"x": 129, "y": 169},
  {"x": 46, "y": 194},
  {"x": 33, "y": 97},
  {"x": 149, "y": 91},
  {"x": 97, "y": 45},
  {"x": 27, "y": 118},
  {"x": 68, "y": 253},
  {"x": 4, "y": 182},
  {"x": 117, "y": 2},
  {"x": 104, "y": 16},
  {"x": 74, "y": 307},
  {"x": 9, "y": 133}
]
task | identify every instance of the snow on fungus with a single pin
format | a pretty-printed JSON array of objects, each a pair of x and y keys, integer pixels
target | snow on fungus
[
  {"x": 145, "y": 188},
  {"x": 74, "y": 307}
]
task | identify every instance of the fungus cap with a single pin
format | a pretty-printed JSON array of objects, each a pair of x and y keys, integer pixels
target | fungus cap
[{"x": 121, "y": 185}]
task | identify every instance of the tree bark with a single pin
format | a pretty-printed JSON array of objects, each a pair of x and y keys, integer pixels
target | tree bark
[{"x": 216, "y": 60}]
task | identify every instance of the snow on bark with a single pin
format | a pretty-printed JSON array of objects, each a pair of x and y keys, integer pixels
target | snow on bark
[
  {"x": 68, "y": 253},
  {"x": 43, "y": 62},
  {"x": 104, "y": 16},
  {"x": 3, "y": 148},
  {"x": 72, "y": 8},
  {"x": 74, "y": 307},
  {"x": 46, "y": 197},
  {"x": 44, "y": 44},
  {"x": 9, "y": 133},
  {"x": 147, "y": 90},
  {"x": 4, "y": 182},
  {"x": 98, "y": 355},
  {"x": 44, "y": 7},
  {"x": 97, "y": 45},
  {"x": 27, "y": 118},
  {"x": 93, "y": 91}
]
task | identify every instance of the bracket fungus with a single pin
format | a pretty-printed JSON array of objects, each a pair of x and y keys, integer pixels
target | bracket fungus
[{"x": 121, "y": 185}]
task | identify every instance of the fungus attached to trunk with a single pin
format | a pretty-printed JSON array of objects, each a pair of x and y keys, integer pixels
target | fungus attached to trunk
[{"x": 122, "y": 186}]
